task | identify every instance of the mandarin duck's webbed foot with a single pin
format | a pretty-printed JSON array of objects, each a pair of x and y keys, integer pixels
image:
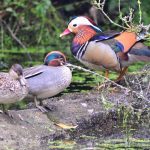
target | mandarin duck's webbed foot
[{"x": 122, "y": 73}]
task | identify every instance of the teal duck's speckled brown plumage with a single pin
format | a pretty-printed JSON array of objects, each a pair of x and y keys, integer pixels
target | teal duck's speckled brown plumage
[{"x": 13, "y": 86}]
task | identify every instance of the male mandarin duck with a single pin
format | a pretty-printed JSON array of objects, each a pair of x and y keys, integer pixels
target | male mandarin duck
[
  {"x": 49, "y": 79},
  {"x": 13, "y": 86},
  {"x": 98, "y": 50}
]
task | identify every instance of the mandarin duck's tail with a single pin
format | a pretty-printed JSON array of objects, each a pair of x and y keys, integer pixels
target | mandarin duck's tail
[
  {"x": 140, "y": 52},
  {"x": 140, "y": 55}
]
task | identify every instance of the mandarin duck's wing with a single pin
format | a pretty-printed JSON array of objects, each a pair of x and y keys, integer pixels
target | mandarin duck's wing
[
  {"x": 33, "y": 71},
  {"x": 141, "y": 51},
  {"x": 101, "y": 54},
  {"x": 142, "y": 54},
  {"x": 105, "y": 35},
  {"x": 140, "y": 45},
  {"x": 108, "y": 39}
]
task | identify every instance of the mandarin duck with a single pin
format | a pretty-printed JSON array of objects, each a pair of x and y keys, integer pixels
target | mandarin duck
[
  {"x": 49, "y": 79},
  {"x": 98, "y": 50},
  {"x": 13, "y": 86}
]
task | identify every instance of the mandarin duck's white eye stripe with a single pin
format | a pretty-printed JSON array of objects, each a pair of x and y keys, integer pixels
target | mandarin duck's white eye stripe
[{"x": 82, "y": 21}]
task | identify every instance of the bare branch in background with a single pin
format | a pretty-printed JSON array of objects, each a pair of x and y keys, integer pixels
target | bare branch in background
[
  {"x": 140, "y": 12},
  {"x": 100, "y": 5},
  {"x": 16, "y": 39},
  {"x": 127, "y": 20}
]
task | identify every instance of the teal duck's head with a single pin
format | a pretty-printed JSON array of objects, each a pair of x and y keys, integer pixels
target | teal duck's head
[
  {"x": 55, "y": 58},
  {"x": 16, "y": 72},
  {"x": 75, "y": 24}
]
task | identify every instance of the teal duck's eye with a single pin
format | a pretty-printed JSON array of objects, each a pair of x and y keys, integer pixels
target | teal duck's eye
[{"x": 74, "y": 25}]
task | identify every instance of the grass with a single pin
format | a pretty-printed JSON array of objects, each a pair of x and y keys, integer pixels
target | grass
[
  {"x": 61, "y": 144},
  {"x": 120, "y": 144}
]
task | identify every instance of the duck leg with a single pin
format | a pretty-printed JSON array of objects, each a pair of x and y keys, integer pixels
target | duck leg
[
  {"x": 41, "y": 102},
  {"x": 41, "y": 108},
  {"x": 122, "y": 73},
  {"x": 103, "y": 84},
  {"x": 107, "y": 73}
]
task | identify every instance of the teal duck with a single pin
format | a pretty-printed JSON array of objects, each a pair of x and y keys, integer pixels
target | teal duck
[
  {"x": 49, "y": 79},
  {"x": 13, "y": 86},
  {"x": 98, "y": 50}
]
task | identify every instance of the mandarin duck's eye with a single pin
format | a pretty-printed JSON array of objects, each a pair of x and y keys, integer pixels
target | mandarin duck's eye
[{"x": 74, "y": 25}]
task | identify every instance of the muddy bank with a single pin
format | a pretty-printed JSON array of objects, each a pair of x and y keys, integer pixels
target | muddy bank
[{"x": 31, "y": 129}]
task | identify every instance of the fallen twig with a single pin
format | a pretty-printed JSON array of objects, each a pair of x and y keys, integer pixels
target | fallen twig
[
  {"x": 140, "y": 73},
  {"x": 100, "y": 5}
]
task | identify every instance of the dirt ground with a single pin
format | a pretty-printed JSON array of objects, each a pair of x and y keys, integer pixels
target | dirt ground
[{"x": 99, "y": 114}]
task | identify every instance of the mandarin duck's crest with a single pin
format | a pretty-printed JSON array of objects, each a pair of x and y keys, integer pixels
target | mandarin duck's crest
[
  {"x": 83, "y": 19},
  {"x": 55, "y": 58},
  {"x": 76, "y": 22}
]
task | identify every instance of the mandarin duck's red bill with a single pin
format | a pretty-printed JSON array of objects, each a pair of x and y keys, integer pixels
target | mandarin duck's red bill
[{"x": 66, "y": 32}]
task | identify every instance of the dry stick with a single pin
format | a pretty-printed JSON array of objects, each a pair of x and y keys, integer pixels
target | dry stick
[
  {"x": 140, "y": 12},
  {"x": 102, "y": 10},
  {"x": 114, "y": 83},
  {"x": 148, "y": 88},
  {"x": 17, "y": 40},
  {"x": 140, "y": 73},
  {"x": 138, "y": 82},
  {"x": 134, "y": 28}
]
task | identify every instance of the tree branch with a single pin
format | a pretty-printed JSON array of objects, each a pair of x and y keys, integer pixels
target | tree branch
[
  {"x": 17, "y": 39},
  {"x": 141, "y": 30},
  {"x": 127, "y": 90}
]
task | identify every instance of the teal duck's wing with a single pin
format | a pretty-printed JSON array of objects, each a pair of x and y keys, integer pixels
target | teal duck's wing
[{"x": 33, "y": 71}]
